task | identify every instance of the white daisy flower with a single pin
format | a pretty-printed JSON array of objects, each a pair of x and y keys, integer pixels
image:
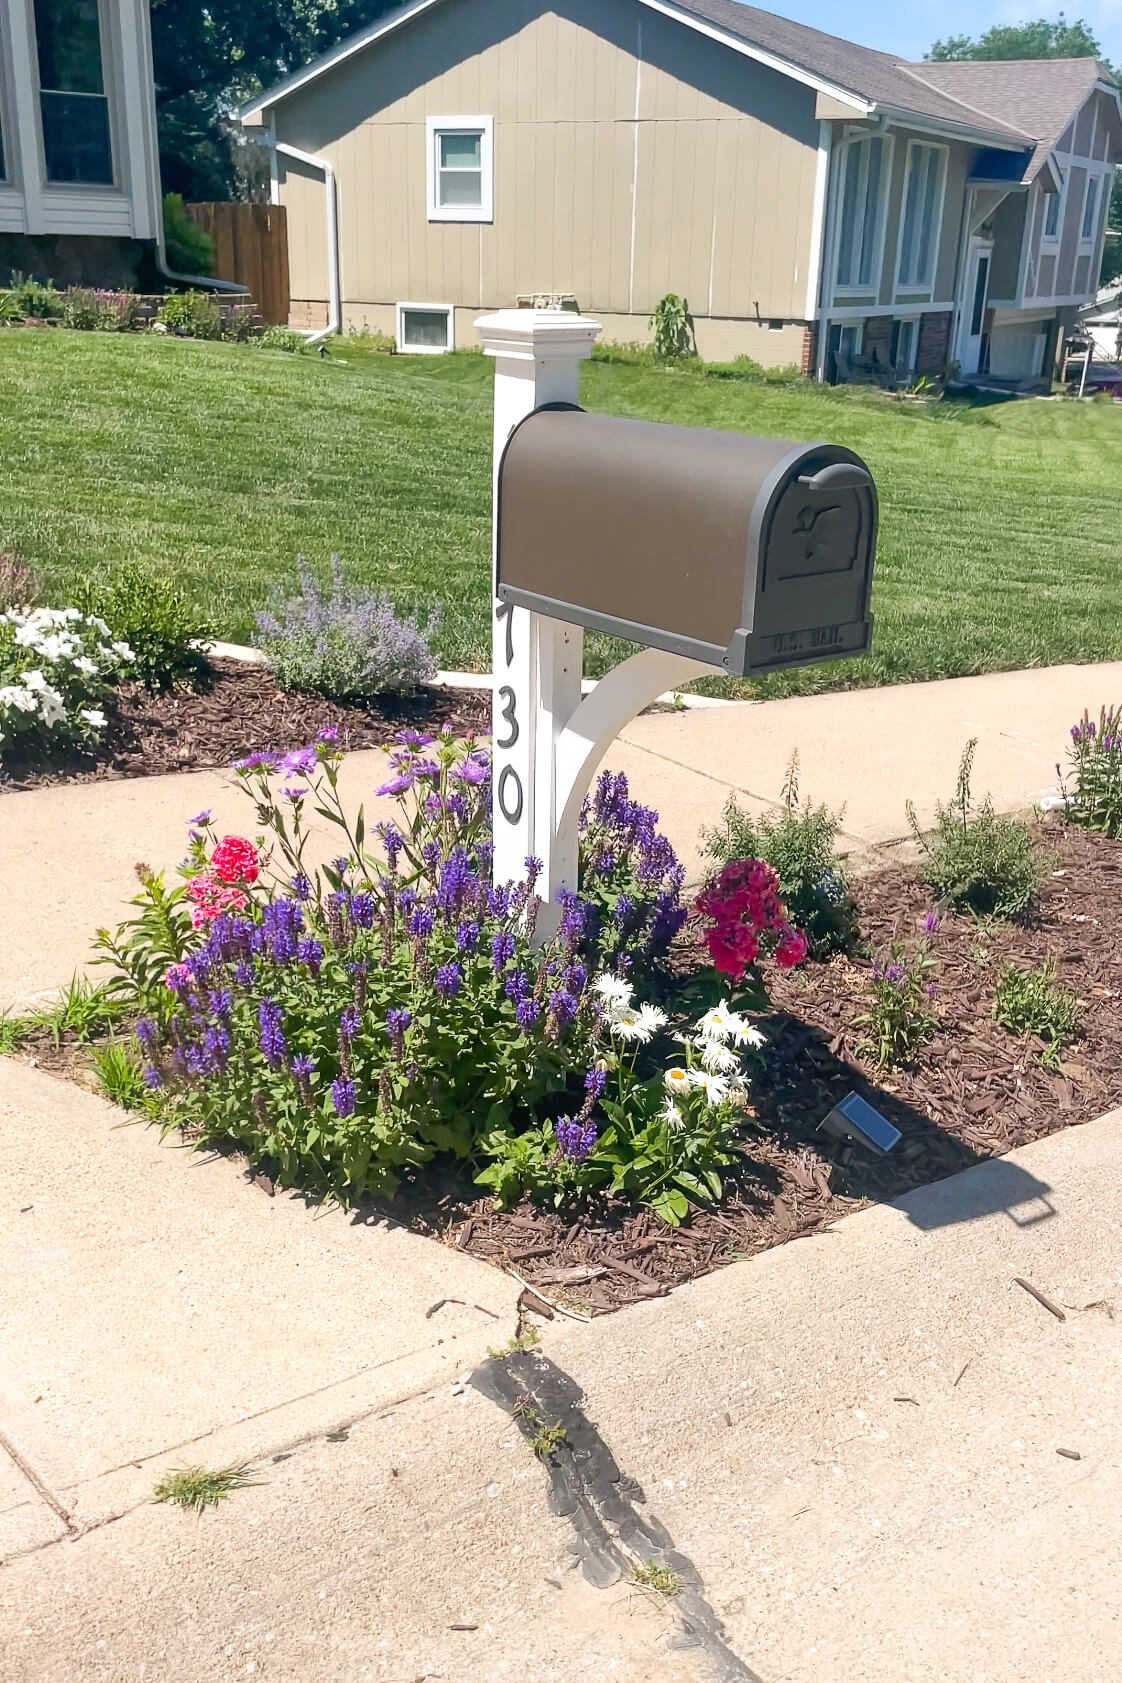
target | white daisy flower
[
  {"x": 715, "y": 1087},
  {"x": 721, "y": 1023},
  {"x": 672, "y": 1116},
  {"x": 718, "y": 1059},
  {"x": 614, "y": 991},
  {"x": 749, "y": 1035},
  {"x": 628, "y": 1025},
  {"x": 678, "y": 1080},
  {"x": 652, "y": 1018}
]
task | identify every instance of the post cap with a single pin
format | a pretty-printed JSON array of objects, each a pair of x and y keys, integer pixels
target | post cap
[{"x": 537, "y": 335}]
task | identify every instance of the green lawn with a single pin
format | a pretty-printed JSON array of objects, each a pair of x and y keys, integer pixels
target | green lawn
[{"x": 999, "y": 527}]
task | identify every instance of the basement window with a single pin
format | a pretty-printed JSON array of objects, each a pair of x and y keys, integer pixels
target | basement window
[
  {"x": 424, "y": 329},
  {"x": 460, "y": 172}
]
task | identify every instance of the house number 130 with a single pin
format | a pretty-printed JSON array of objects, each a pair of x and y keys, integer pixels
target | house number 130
[{"x": 509, "y": 790}]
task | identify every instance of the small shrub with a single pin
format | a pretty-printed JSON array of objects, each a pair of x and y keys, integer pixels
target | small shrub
[
  {"x": 276, "y": 338},
  {"x": 239, "y": 323},
  {"x": 672, "y": 326},
  {"x": 192, "y": 315},
  {"x": 370, "y": 339},
  {"x": 1031, "y": 1001},
  {"x": 57, "y": 667},
  {"x": 31, "y": 298},
  {"x": 1093, "y": 796},
  {"x": 799, "y": 846},
  {"x": 344, "y": 642},
  {"x": 149, "y": 611},
  {"x": 19, "y": 586},
  {"x": 118, "y": 1075},
  {"x": 195, "y": 1488},
  {"x": 190, "y": 248},
  {"x": 100, "y": 310},
  {"x": 976, "y": 859},
  {"x": 80, "y": 1011},
  {"x": 898, "y": 999}
]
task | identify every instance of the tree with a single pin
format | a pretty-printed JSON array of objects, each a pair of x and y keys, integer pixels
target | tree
[
  {"x": 1043, "y": 38},
  {"x": 210, "y": 55}
]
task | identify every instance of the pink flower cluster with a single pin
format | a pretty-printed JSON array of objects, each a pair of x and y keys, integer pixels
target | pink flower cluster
[
  {"x": 214, "y": 890},
  {"x": 744, "y": 905}
]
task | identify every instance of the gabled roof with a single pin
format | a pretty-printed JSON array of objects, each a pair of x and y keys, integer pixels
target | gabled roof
[{"x": 1016, "y": 105}]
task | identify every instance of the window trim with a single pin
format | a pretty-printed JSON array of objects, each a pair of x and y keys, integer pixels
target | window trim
[
  {"x": 872, "y": 287},
  {"x": 107, "y": 42},
  {"x": 449, "y": 311},
  {"x": 922, "y": 285},
  {"x": 484, "y": 211},
  {"x": 1061, "y": 199},
  {"x": 1087, "y": 242},
  {"x": 906, "y": 325}
]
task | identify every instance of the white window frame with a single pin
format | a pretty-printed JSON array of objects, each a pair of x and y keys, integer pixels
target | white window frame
[
  {"x": 426, "y": 350},
  {"x": 871, "y": 287},
  {"x": 909, "y": 326},
  {"x": 1087, "y": 242},
  {"x": 1061, "y": 200},
  {"x": 484, "y": 211},
  {"x": 925, "y": 283}
]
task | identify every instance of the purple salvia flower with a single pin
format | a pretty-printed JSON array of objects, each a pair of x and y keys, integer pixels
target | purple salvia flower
[
  {"x": 343, "y": 1096},
  {"x": 563, "y": 1008},
  {"x": 220, "y": 1001},
  {"x": 310, "y": 952},
  {"x": 448, "y": 979},
  {"x": 303, "y": 1064},
  {"x": 146, "y": 1032},
  {"x": 271, "y": 1037},
  {"x": 152, "y": 1076},
  {"x": 574, "y": 1139},
  {"x": 527, "y": 1012},
  {"x": 502, "y": 950},
  {"x": 244, "y": 973},
  {"x": 518, "y": 985},
  {"x": 301, "y": 887},
  {"x": 349, "y": 1022},
  {"x": 467, "y": 937},
  {"x": 421, "y": 922}
]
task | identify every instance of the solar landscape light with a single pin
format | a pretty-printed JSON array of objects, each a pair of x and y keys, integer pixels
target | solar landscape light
[{"x": 854, "y": 1118}]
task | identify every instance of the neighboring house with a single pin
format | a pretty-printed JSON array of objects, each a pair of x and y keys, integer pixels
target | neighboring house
[
  {"x": 1101, "y": 320},
  {"x": 816, "y": 202},
  {"x": 79, "y": 167}
]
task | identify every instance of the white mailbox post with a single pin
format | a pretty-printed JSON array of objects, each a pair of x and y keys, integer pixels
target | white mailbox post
[{"x": 547, "y": 740}]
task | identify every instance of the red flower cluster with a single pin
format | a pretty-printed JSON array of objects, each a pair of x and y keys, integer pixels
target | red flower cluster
[
  {"x": 235, "y": 860},
  {"x": 745, "y": 907}
]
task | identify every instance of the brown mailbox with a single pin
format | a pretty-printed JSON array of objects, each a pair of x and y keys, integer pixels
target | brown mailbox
[{"x": 748, "y": 553}]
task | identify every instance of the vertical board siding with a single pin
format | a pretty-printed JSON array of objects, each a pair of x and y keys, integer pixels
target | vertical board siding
[
  {"x": 250, "y": 246},
  {"x": 720, "y": 142}
]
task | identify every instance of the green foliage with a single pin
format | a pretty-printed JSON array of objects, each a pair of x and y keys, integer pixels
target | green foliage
[
  {"x": 149, "y": 610},
  {"x": 239, "y": 323},
  {"x": 57, "y": 666},
  {"x": 118, "y": 1075},
  {"x": 100, "y": 309},
  {"x": 1042, "y": 38},
  {"x": 514, "y": 1346},
  {"x": 197, "y": 1488},
  {"x": 29, "y": 297},
  {"x": 1031, "y": 1001},
  {"x": 276, "y": 338},
  {"x": 661, "y": 1579},
  {"x": 897, "y": 1012},
  {"x": 672, "y": 326},
  {"x": 370, "y": 339},
  {"x": 544, "y": 1440},
  {"x": 144, "y": 945},
  {"x": 190, "y": 248},
  {"x": 799, "y": 846},
  {"x": 192, "y": 315},
  {"x": 977, "y": 859},
  {"x": 13, "y": 1032},
  {"x": 81, "y": 1011},
  {"x": 1093, "y": 792}
]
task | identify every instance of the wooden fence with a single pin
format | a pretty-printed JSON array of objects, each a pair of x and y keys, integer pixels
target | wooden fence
[{"x": 250, "y": 246}]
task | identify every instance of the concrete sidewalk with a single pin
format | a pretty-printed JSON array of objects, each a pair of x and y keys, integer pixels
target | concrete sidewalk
[
  {"x": 864, "y": 750},
  {"x": 847, "y": 1446}
]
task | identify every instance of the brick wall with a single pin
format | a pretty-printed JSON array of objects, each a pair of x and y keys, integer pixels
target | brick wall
[
  {"x": 934, "y": 347},
  {"x": 808, "y": 362},
  {"x": 878, "y": 337},
  {"x": 307, "y": 313}
]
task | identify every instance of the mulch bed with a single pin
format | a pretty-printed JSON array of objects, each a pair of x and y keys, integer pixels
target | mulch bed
[
  {"x": 238, "y": 709},
  {"x": 974, "y": 1092}
]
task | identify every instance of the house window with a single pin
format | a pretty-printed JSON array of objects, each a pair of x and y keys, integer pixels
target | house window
[
  {"x": 72, "y": 102},
  {"x": 1090, "y": 208},
  {"x": 861, "y": 215},
  {"x": 1052, "y": 207},
  {"x": 923, "y": 213},
  {"x": 459, "y": 175},
  {"x": 424, "y": 328},
  {"x": 905, "y": 335}
]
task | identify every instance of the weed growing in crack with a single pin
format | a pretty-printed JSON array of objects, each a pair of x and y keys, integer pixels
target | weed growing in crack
[
  {"x": 195, "y": 1487},
  {"x": 546, "y": 1439},
  {"x": 525, "y": 1341},
  {"x": 652, "y": 1576}
]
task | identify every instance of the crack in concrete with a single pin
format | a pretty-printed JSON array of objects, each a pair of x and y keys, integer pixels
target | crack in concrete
[
  {"x": 586, "y": 1487},
  {"x": 42, "y": 1490}
]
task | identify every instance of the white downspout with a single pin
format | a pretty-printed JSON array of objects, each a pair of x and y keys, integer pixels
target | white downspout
[{"x": 334, "y": 287}]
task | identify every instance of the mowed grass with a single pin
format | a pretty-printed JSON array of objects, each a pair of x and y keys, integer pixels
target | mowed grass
[{"x": 999, "y": 543}]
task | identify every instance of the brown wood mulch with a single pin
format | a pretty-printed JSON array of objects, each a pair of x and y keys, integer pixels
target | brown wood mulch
[
  {"x": 238, "y": 709},
  {"x": 974, "y": 1092}
]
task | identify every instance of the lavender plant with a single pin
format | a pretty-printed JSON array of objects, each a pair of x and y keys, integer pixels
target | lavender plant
[
  {"x": 1093, "y": 793},
  {"x": 343, "y": 642},
  {"x": 899, "y": 996}
]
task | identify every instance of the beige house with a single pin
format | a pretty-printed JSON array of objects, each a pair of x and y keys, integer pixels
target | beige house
[
  {"x": 816, "y": 202},
  {"x": 79, "y": 166}
]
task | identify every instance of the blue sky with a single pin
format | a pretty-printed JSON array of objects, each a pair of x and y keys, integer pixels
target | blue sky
[{"x": 908, "y": 27}]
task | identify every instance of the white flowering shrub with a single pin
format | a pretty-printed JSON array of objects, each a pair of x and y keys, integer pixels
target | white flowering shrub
[{"x": 57, "y": 666}]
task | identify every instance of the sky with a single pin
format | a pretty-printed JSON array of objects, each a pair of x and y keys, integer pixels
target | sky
[{"x": 908, "y": 27}]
